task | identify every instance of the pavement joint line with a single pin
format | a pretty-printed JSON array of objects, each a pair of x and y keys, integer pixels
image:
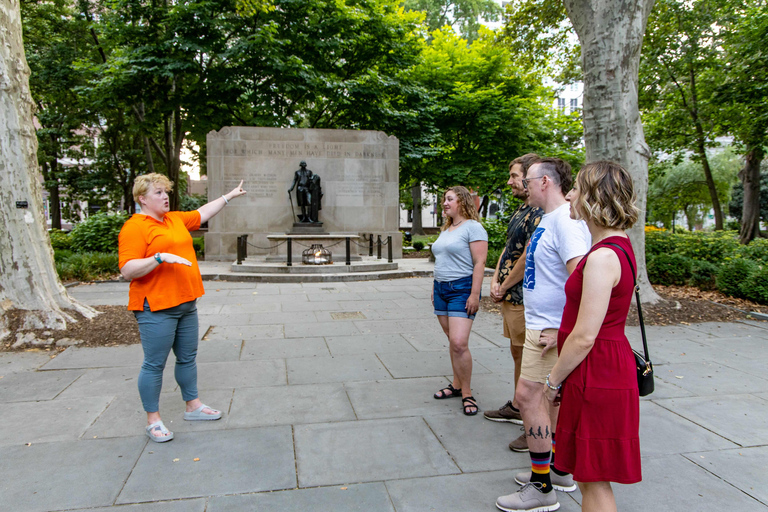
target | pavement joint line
[
  {"x": 349, "y": 399},
  {"x": 722, "y": 479},
  {"x": 453, "y": 459},
  {"x": 695, "y": 423},
  {"x": 384, "y": 365},
  {"x": 295, "y": 456}
]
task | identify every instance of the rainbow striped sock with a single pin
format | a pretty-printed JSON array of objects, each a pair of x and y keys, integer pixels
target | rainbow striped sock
[
  {"x": 540, "y": 470},
  {"x": 552, "y": 461}
]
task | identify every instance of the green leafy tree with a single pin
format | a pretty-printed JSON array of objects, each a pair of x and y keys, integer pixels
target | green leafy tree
[
  {"x": 680, "y": 70},
  {"x": 463, "y": 15}
]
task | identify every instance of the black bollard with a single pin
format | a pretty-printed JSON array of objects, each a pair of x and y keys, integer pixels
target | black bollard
[
  {"x": 378, "y": 247},
  {"x": 389, "y": 249},
  {"x": 290, "y": 255},
  {"x": 370, "y": 244},
  {"x": 240, "y": 250},
  {"x": 349, "y": 261}
]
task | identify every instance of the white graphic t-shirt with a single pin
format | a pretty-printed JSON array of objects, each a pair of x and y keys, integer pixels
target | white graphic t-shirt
[{"x": 557, "y": 239}]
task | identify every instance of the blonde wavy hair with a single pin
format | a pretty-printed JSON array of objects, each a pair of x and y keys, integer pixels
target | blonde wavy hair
[
  {"x": 142, "y": 183},
  {"x": 466, "y": 205},
  {"x": 606, "y": 195}
]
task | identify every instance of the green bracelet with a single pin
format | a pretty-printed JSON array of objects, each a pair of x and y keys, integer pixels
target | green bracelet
[{"x": 158, "y": 259}]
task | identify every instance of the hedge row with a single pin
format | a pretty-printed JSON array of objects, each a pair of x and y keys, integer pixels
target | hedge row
[{"x": 709, "y": 261}]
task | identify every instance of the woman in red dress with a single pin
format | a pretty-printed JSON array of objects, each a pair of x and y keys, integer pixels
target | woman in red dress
[{"x": 595, "y": 376}]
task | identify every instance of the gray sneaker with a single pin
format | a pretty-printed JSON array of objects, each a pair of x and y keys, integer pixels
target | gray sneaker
[
  {"x": 505, "y": 413},
  {"x": 559, "y": 482},
  {"x": 529, "y": 499},
  {"x": 519, "y": 444}
]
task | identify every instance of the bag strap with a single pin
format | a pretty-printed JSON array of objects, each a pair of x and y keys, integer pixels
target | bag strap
[{"x": 637, "y": 299}]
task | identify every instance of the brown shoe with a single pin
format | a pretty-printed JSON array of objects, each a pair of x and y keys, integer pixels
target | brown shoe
[
  {"x": 520, "y": 444},
  {"x": 505, "y": 413}
]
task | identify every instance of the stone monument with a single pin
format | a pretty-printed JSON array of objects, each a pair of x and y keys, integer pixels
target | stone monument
[{"x": 360, "y": 190}]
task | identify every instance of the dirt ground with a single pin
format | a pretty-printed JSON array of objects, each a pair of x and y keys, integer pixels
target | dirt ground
[{"x": 117, "y": 326}]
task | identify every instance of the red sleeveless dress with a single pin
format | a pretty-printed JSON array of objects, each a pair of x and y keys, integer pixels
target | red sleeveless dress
[{"x": 597, "y": 430}]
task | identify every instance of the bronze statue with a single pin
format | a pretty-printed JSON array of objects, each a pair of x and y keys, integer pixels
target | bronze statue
[{"x": 308, "y": 193}]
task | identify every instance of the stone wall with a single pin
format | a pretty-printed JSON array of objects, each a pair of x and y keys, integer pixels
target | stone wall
[{"x": 359, "y": 172}]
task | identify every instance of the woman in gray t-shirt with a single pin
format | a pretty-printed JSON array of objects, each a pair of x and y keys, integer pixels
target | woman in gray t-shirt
[{"x": 460, "y": 253}]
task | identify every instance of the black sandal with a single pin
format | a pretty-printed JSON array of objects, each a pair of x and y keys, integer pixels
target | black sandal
[
  {"x": 442, "y": 393},
  {"x": 469, "y": 403}
]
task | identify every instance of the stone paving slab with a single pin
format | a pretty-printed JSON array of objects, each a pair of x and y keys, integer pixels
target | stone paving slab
[
  {"x": 284, "y": 348},
  {"x": 193, "y": 505},
  {"x": 367, "y": 451},
  {"x": 333, "y": 328},
  {"x": 111, "y": 382},
  {"x": 368, "y": 344},
  {"x": 244, "y": 332},
  {"x": 262, "y": 461},
  {"x": 709, "y": 378},
  {"x": 352, "y": 498},
  {"x": 476, "y": 444},
  {"x": 349, "y": 315},
  {"x": 471, "y": 492},
  {"x": 437, "y": 340},
  {"x": 729, "y": 330},
  {"x": 74, "y": 358},
  {"x": 286, "y": 405},
  {"x": 56, "y": 476},
  {"x": 423, "y": 364},
  {"x": 313, "y": 370},
  {"x": 47, "y": 422},
  {"x": 298, "y": 306},
  {"x": 210, "y": 351},
  {"x": 125, "y": 416},
  {"x": 401, "y": 326},
  {"x": 738, "y": 418},
  {"x": 246, "y": 309},
  {"x": 497, "y": 360},
  {"x": 398, "y": 398},
  {"x": 675, "y": 484},
  {"x": 241, "y": 374},
  {"x": 29, "y": 386},
  {"x": 22, "y": 361},
  {"x": 743, "y": 468},
  {"x": 662, "y": 432}
]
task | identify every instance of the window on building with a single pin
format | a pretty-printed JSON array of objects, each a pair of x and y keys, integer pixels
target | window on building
[
  {"x": 574, "y": 104},
  {"x": 561, "y": 103}
]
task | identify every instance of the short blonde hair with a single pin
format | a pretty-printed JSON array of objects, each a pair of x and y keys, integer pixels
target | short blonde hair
[
  {"x": 466, "y": 205},
  {"x": 142, "y": 183},
  {"x": 606, "y": 195}
]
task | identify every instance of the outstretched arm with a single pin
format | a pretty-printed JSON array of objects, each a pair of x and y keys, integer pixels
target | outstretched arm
[{"x": 209, "y": 210}]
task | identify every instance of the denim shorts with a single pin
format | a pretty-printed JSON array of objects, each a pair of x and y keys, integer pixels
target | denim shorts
[{"x": 451, "y": 297}]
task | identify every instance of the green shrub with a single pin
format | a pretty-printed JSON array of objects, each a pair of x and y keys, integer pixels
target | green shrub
[
  {"x": 418, "y": 245},
  {"x": 98, "y": 233},
  {"x": 199, "y": 244},
  {"x": 192, "y": 202},
  {"x": 757, "y": 250},
  {"x": 704, "y": 275},
  {"x": 86, "y": 266},
  {"x": 493, "y": 257},
  {"x": 733, "y": 273},
  {"x": 59, "y": 239},
  {"x": 497, "y": 233},
  {"x": 712, "y": 246},
  {"x": 669, "y": 269},
  {"x": 755, "y": 287}
]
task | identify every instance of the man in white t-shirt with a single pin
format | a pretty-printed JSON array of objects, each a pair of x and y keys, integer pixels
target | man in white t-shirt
[{"x": 555, "y": 248}]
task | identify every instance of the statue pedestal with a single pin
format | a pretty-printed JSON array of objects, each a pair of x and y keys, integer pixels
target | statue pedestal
[
  {"x": 307, "y": 228},
  {"x": 334, "y": 242}
]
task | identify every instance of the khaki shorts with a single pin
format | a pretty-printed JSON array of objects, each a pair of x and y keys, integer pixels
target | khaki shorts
[
  {"x": 536, "y": 368},
  {"x": 513, "y": 318}
]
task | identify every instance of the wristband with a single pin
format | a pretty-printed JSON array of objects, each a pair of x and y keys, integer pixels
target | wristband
[
  {"x": 158, "y": 258},
  {"x": 226, "y": 201},
  {"x": 550, "y": 386}
]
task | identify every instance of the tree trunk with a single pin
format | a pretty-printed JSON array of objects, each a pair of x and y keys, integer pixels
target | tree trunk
[
  {"x": 28, "y": 279},
  {"x": 750, "y": 177},
  {"x": 484, "y": 207},
  {"x": 416, "y": 225},
  {"x": 611, "y": 35}
]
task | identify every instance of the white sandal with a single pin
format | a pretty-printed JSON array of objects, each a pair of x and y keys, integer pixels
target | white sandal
[
  {"x": 158, "y": 425},
  {"x": 199, "y": 415}
]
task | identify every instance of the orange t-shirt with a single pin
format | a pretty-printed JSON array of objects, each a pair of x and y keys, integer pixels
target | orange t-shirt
[{"x": 170, "y": 284}]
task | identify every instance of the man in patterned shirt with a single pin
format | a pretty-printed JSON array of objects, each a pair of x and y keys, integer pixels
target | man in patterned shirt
[{"x": 506, "y": 285}]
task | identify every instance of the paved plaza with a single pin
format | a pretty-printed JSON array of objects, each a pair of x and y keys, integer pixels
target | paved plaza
[{"x": 327, "y": 393}]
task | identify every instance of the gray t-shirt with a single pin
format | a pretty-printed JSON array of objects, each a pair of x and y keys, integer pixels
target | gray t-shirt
[{"x": 453, "y": 258}]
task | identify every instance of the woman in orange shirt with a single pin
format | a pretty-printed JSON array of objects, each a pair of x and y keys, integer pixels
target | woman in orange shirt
[{"x": 157, "y": 257}]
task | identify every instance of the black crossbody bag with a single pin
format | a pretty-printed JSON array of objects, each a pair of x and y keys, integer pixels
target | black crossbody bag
[{"x": 642, "y": 361}]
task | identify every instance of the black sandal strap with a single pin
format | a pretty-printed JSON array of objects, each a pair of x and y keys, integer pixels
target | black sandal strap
[{"x": 443, "y": 394}]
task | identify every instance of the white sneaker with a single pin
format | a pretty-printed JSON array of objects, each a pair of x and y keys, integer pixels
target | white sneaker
[{"x": 529, "y": 499}]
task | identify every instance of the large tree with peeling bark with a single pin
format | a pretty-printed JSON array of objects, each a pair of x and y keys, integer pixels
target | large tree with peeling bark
[
  {"x": 28, "y": 280},
  {"x": 611, "y": 35}
]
